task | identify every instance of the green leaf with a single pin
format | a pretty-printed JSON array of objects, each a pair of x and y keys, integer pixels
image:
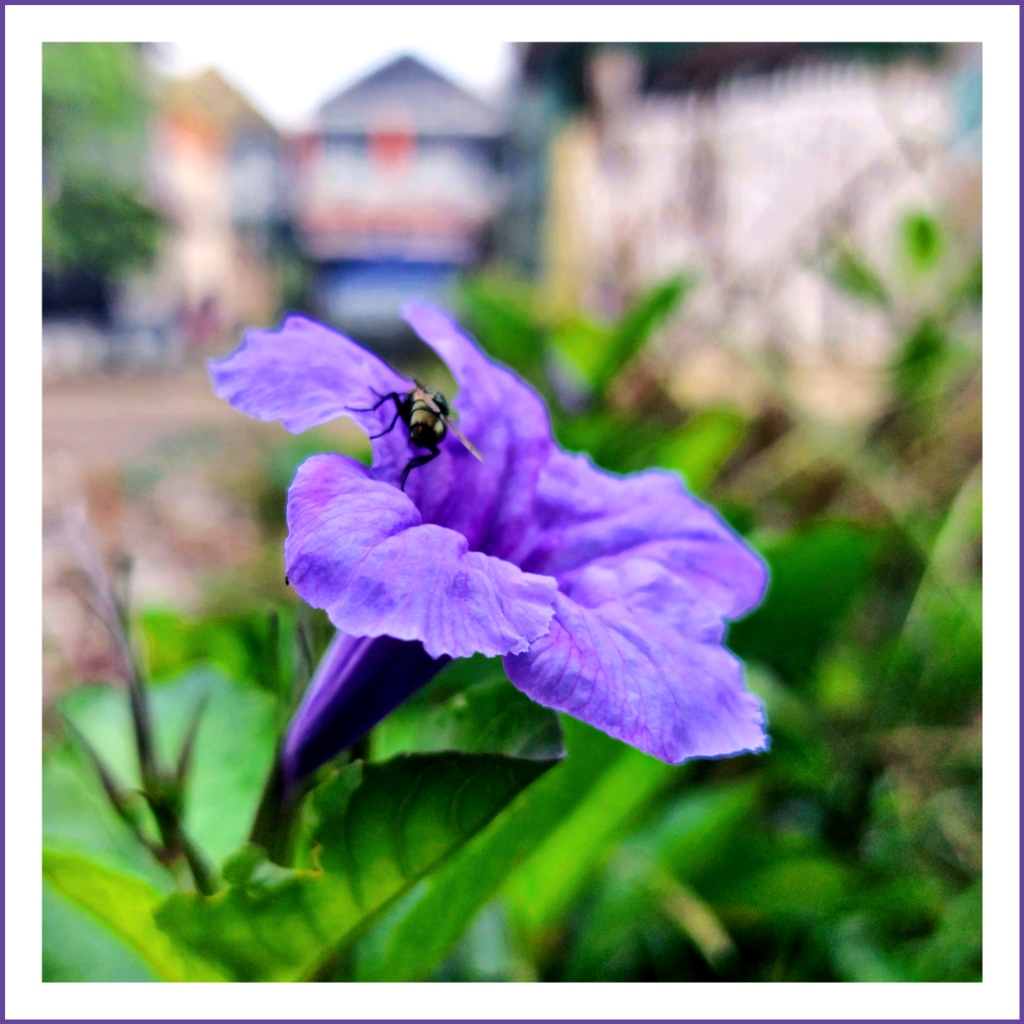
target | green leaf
[
  {"x": 487, "y": 951},
  {"x": 858, "y": 955},
  {"x": 923, "y": 241},
  {"x": 921, "y": 356},
  {"x": 971, "y": 289},
  {"x": 77, "y": 814},
  {"x": 613, "y": 927},
  {"x": 615, "y": 442},
  {"x": 635, "y": 329},
  {"x": 953, "y": 952},
  {"x": 125, "y": 906},
  {"x": 412, "y": 941},
  {"x": 491, "y": 715},
  {"x": 233, "y": 750},
  {"x": 816, "y": 575},
  {"x": 698, "y": 830},
  {"x": 541, "y": 890},
  {"x": 700, "y": 448},
  {"x": 583, "y": 345},
  {"x": 852, "y": 275},
  {"x": 798, "y": 890},
  {"x": 77, "y": 947},
  {"x": 497, "y": 312},
  {"x": 380, "y": 828}
]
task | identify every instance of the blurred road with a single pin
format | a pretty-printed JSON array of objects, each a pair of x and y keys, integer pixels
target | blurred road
[
  {"x": 150, "y": 460},
  {"x": 104, "y": 421}
]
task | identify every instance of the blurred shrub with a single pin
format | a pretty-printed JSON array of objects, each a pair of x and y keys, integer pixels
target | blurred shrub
[{"x": 96, "y": 216}]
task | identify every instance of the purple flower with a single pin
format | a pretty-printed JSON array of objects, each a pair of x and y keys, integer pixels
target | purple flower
[{"x": 606, "y": 596}]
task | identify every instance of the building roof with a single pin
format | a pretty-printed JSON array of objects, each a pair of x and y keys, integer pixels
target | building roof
[
  {"x": 208, "y": 97},
  {"x": 408, "y": 90}
]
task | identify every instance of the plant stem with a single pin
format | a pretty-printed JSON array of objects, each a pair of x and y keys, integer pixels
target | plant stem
[{"x": 277, "y": 817}]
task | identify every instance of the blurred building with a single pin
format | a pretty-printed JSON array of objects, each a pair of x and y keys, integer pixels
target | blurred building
[
  {"x": 394, "y": 193},
  {"x": 741, "y": 163},
  {"x": 172, "y": 194},
  {"x": 217, "y": 178}
]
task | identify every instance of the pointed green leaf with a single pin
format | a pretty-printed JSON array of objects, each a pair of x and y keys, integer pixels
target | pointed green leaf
[
  {"x": 188, "y": 744},
  {"x": 488, "y": 716},
  {"x": 541, "y": 890},
  {"x": 411, "y": 943},
  {"x": 78, "y": 815},
  {"x": 497, "y": 311},
  {"x": 233, "y": 747},
  {"x": 583, "y": 345},
  {"x": 922, "y": 241},
  {"x": 125, "y": 906},
  {"x": 381, "y": 827},
  {"x": 700, "y": 448},
  {"x": 852, "y": 275},
  {"x": 816, "y": 575},
  {"x": 636, "y": 327},
  {"x": 953, "y": 951},
  {"x": 77, "y": 947}
]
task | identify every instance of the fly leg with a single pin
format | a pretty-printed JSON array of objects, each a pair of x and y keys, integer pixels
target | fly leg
[
  {"x": 420, "y": 460},
  {"x": 373, "y": 408}
]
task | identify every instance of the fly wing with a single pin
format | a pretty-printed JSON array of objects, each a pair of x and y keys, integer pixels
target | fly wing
[{"x": 462, "y": 437}]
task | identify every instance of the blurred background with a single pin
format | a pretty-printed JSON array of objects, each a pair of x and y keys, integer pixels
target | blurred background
[{"x": 756, "y": 264}]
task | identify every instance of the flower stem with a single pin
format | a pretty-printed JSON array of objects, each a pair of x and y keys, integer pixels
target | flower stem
[{"x": 277, "y": 817}]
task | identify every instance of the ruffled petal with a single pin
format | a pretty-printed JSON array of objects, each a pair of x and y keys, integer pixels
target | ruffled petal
[
  {"x": 306, "y": 374},
  {"x": 642, "y": 681},
  {"x": 582, "y": 514},
  {"x": 489, "y": 502},
  {"x": 358, "y": 548},
  {"x": 650, "y": 591}
]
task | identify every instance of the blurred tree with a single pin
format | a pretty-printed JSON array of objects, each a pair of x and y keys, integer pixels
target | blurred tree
[{"x": 97, "y": 221}]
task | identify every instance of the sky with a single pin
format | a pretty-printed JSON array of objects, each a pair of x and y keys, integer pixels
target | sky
[{"x": 289, "y": 87}]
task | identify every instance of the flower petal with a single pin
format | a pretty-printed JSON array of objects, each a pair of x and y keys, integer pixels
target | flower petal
[
  {"x": 359, "y": 680},
  {"x": 358, "y": 548},
  {"x": 305, "y": 374},
  {"x": 642, "y": 681},
  {"x": 650, "y": 591},
  {"x": 488, "y": 502},
  {"x": 582, "y": 514}
]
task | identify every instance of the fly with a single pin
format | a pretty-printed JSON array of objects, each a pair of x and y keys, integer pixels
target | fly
[{"x": 427, "y": 416}]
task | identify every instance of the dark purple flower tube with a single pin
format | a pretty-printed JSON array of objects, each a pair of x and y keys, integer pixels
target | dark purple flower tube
[{"x": 359, "y": 680}]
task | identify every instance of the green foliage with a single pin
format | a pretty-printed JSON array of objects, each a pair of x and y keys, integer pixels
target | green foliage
[
  {"x": 125, "y": 905},
  {"x": 635, "y": 328},
  {"x": 77, "y": 947},
  {"x": 503, "y": 311},
  {"x": 922, "y": 356},
  {"x": 816, "y": 576},
  {"x": 95, "y": 113},
  {"x": 487, "y": 715},
  {"x": 702, "y": 446},
  {"x": 379, "y": 828},
  {"x": 100, "y": 226},
  {"x": 412, "y": 943},
  {"x": 923, "y": 241},
  {"x": 852, "y": 274},
  {"x": 232, "y": 753},
  {"x": 568, "y": 359},
  {"x": 373, "y": 831},
  {"x": 543, "y": 888}
]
